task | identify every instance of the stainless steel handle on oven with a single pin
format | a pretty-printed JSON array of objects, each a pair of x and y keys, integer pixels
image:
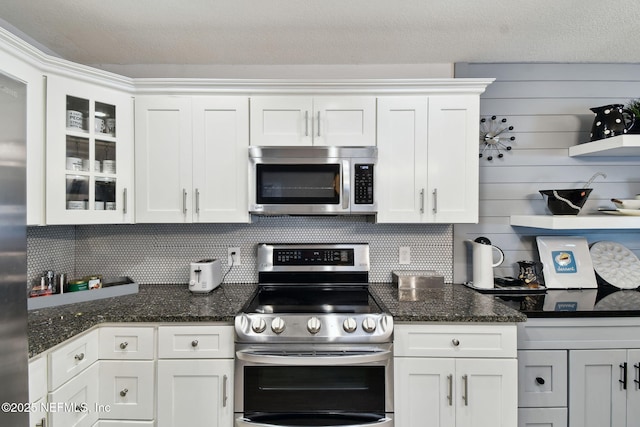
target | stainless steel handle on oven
[
  {"x": 316, "y": 360},
  {"x": 346, "y": 184},
  {"x": 435, "y": 200},
  {"x": 465, "y": 396},
  {"x": 184, "y": 201},
  {"x": 383, "y": 422}
]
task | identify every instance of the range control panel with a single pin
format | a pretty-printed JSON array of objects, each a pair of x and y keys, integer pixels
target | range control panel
[{"x": 313, "y": 257}]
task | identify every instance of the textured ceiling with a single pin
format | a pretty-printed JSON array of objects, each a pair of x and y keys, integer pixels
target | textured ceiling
[{"x": 269, "y": 32}]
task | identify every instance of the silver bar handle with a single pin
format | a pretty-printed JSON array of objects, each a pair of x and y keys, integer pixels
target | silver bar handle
[
  {"x": 435, "y": 200},
  {"x": 318, "y": 123},
  {"x": 184, "y": 201},
  {"x": 422, "y": 201},
  {"x": 450, "y": 391},
  {"x": 306, "y": 123},
  {"x": 346, "y": 183},
  {"x": 225, "y": 381},
  {"x": 124, "y": 201},
  {"x": 197, "y": 201},
  {"x": 42, "y": 423},
  {"x": 379, "y": 356},
  {"x": 465, "y": 395}
]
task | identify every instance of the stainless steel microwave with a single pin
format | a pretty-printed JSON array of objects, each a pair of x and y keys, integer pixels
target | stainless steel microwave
[{"x": 312, "y": 180}]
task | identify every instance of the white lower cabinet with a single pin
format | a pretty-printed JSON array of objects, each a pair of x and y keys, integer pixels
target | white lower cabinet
[
  {"x": 76, "y": 402},
  {"x": 127, "y": 389},
  {"x": 542, "y": 417},
  {"x": 443, "y": 376}
]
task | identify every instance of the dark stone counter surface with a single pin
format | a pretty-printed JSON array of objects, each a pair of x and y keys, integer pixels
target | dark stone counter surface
[{"x": 174, "y": 303}]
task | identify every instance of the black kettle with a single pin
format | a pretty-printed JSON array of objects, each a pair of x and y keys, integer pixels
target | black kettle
[{"x": 611, "y": 120}]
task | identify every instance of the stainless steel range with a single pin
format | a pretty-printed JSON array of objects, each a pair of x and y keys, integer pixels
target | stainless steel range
[{"x": 313, "y": 347}]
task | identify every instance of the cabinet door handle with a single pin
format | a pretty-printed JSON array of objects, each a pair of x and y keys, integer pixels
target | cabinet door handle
[
  {"x": 450, "y": 391},
  {"x": 422, "y": 201},
  {"x": 197, "y": 201},
  {"x": 636, "y": 379},
  {"x": 184, "y": 201},
  {"x": 435, "y": 200},
  {"x": 123, "y": 345},
  {"x": 79, "y": 357},
  {"x": 225, "y": 380},
  {"x": 194, "y": 343},
  {"x": 318, "y": 123},
  {"x": 306, "y": 123},
  {"x": 465, "y": 395},
  {"x": 623, "y": 373},
  {"x": 42, "y": 423},
  {"x": 540, "y": 381},
  {"x": 455, "y": 342},
  {"x": 124, "y": 201},
  {"x": 124, "y": 392}
]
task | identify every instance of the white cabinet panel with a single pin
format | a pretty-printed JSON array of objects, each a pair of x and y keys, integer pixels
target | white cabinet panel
[
  {"x": 77, "y": 400},
  {"x": 542, "y": 378},
  {"x": 73, "y": 357},
  {"x": 128, "y": 388},
  {"x": 542, "y": 417},
  {"x": 37, "y": 378},
  {"x": 123, "y": 343},
  {"x": 195, "y": 342}
]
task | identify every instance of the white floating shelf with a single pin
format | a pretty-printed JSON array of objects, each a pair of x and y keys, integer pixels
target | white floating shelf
[
  {"x": 577, "y": 222},
  {"x": 623, "y": 145}
]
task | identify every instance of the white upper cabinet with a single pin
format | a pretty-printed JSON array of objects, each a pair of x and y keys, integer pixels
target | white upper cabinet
[
  {"x": 318, "y": 120},
  {"x": 191, "y": 159},
  {"x": 427, "y": 159},
  {"x": 89, "y": 153}
]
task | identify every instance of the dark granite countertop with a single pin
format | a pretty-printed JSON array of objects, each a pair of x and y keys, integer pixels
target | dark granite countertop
[{"x": 174, "y": 303}]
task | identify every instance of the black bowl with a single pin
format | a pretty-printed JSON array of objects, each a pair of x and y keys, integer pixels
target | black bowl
[{"x": 566, "y": 202}]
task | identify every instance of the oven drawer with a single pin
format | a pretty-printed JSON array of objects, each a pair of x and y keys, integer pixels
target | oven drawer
[
  {"x": 195, "y": 342},
  {"x": 449, "y": 340},
  {"x": 542, "y": 378}
]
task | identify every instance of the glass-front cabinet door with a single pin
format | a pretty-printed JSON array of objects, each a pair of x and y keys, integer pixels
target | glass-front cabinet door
[{"x": 89, "y": 153}]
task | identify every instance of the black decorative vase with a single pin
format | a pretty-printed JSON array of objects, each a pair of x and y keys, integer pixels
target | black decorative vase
[{"x": 612, "y": 120}]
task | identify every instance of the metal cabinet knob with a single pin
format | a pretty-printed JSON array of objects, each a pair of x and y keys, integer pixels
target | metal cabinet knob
[
  {"x": 194, "y": 343},
  {"x": 123, "y": 345},
  {"x": 79, "y": 357},
  {"x": 540, "y": 380},
  {"x": 455, "y": 342},
  {"x": 124, "y": 392}
]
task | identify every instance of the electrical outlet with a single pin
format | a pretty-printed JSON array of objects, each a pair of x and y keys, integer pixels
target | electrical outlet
[
  {"x": 404, "y": 255},
  {"x": 233, "y": 256}
]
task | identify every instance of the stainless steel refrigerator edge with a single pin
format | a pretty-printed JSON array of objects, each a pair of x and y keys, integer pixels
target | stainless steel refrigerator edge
[{"x": 13, "y": 252}]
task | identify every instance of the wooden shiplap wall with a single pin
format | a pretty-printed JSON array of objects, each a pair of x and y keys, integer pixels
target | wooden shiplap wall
[{"x": 548, "y": 105}]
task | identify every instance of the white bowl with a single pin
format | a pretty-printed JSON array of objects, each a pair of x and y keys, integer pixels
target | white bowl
[{"x": 626, "y": 203}]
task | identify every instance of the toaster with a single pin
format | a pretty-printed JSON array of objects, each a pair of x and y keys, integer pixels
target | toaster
[{"x": 205, "y": 275}]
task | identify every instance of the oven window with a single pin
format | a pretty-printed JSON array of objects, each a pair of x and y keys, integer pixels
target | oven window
[
  {"x": 304, "y": 389},
  {"x": 298, "y": 184}
]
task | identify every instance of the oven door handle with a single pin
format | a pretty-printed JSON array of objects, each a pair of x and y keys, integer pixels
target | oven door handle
[
  {"x": 244, "y": 422},
  {"x": 378, "y": 356}
]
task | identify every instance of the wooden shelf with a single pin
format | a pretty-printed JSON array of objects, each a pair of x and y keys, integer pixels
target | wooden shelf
[
  {"x": 577, "y": 222},
  {"x": 623, "y": 145}
]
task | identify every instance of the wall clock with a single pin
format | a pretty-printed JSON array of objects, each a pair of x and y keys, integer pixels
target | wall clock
[{"x": 494, "y": 137}]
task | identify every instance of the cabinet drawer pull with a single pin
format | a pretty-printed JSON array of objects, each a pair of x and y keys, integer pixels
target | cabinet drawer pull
[
  {"x": 465, "y": 395},
  {"x": 79, "y": 357},
  {"x": 124, "y": 201},
  {"x": 42, "y": 423},
  {"x": 225, "y": 380},
  {"x": 455, "y": 342},
  {"x": 450, "y": 391},
  {"x": 194, "y": 343},
  {"x": 636, "y": 380},
  {"x": 540, "y": 380},
  {"x": 124, "y": 392},
  {"x": 123, "y": 345},
  {"x": 623, "y": 374}
]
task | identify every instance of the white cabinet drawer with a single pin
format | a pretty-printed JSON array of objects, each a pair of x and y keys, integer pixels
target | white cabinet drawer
[
  {"x": 542, "y": 417},
  {"x": 455, "y": 340},
  {"x": 542, "y": 378},
  {"x": 37, "y": 378},
  {"x": 127, "y": 343},
  {"x": 128, "y": 388},
  {"x": 195, "y": 342},
  {"x": 72, "y": 357},
  {"x": 76, "y": 401}
]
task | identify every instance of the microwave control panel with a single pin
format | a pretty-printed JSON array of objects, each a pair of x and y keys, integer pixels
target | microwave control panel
[{"x": 363, "y": 184}]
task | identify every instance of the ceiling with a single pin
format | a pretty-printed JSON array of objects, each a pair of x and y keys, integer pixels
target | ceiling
[{"x": 318, "y": 32}]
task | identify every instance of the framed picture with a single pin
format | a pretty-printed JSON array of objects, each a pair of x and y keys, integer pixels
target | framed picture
[{"x": 566, "y": 262}]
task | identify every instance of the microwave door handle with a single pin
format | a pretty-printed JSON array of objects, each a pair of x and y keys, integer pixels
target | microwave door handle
[
  {"x": 346, "y": 184},
  {"x": 245, "y": 422},
  {"x": 379, "y": 356}
]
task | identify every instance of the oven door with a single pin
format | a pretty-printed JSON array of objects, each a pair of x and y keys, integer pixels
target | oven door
[{"x": 320, "y": 385}]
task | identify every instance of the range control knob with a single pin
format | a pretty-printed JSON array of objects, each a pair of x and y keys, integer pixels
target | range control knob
[
  {"x": 369, "y": 324},
  {"x": 277, "y": 325},
  {"x": 314, "y": 325},
  {"x": 258, "y": 325},
  {"x": 350, "y": 325}
]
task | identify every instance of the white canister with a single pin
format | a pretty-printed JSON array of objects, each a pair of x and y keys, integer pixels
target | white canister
[
  {"x": 483, "y": 262},
  {"x": 110, "y": 206},
  {"x": 99, "y": 206},
  {"x": 74, "y": 119},
  {"x": 74, "y": 163},
  {"x": 109, "y": 166},
  {"x": 100, "y": 126}
]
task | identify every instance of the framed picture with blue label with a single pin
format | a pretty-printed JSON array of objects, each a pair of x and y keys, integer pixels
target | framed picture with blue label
[{"x": 566, "y": 262}]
